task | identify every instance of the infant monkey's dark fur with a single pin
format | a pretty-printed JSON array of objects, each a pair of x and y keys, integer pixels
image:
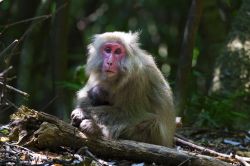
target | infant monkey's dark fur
[
  {"x": 126, "y": 96},
  {"x": 98, "y": 96}
]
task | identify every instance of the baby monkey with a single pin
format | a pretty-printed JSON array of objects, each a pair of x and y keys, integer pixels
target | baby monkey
[{"x": 98, "y": 96}]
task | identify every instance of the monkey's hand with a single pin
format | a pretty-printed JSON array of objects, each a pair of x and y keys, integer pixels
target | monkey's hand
[
  {"x": 82, "y": 120},
  {"x": 77, "y": 116},
  {"x": 89, "y": 127}
]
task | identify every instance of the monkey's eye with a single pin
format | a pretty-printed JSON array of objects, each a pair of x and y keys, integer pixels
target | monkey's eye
[
  {"x": 107, "y": 50},
  {"x": 118, "y": 51}
]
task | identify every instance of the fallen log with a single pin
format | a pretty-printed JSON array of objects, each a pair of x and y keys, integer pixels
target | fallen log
[{"x": 40, "y": 130}]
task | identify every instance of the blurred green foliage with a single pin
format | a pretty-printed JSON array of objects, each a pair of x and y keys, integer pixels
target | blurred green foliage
[
  {"x": 217, "y": 111},
  {"x": 78, "y": 80}
]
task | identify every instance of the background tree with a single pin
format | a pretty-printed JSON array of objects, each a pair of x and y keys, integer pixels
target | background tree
[
  {"x": 185, "y": 61},
  {"x": 232, "y": 71}
]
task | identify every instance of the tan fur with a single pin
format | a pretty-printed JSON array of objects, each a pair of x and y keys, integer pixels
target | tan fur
[{"x": 141, "y": 100}]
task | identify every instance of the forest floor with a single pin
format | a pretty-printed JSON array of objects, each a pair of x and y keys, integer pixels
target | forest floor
[
  {"x": 222, "y": 141},
  {"x": 228, "y": 142}
]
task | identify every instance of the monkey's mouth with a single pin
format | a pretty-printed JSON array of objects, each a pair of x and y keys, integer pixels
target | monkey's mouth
[{"x": 110, "y": 73}]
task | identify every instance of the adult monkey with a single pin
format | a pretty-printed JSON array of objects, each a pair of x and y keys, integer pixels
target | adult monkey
[{"x": 126, "y": 95}]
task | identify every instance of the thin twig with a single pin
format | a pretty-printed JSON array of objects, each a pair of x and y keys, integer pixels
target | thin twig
[
  {"x": 43, "y": 18},
  {"x": 11, "y": 103},
  {"x": 13, "y": 44},
  {"x": 82, "y": 24},
  {"x": 25, "y": 34},
  {"x": 3, "y": 90},
  {"x": 16, "y": 90},
  {"x": 60, "y": 8},
  {"x": 7, "y": 107},
  {"x": 49, "y": 103},
  {"x": 203, "y": 149},
  {"x": 185, "y": 162},
  {"x": 243, "y": 160},
  {"x": 6, "y": 71},
  {"x": 27, "y": 20}
]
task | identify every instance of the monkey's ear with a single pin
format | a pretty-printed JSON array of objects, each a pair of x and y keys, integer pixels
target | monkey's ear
[
  {"x": 97, "y": 41},
  {"x": 133, "y": 43},
  {"x": 91, "y": 50},
  {"x": 135, "y": 36},
  {"x": 95, "y": 37}
]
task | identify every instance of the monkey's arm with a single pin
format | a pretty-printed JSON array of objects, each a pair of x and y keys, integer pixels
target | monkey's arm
[
  {"x": 80, "y": 112},
  {"x": 82, "y": 103},
  {"x": 88, "y": 97},
  {"x": 88, "y": 93}
]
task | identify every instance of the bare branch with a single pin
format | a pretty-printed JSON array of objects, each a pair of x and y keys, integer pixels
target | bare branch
[
  {"x": 6, "y": 71},
  {"x": 16, "y": 90},
  {"x": 27, "y": 20},
  {"x": 243, "y": 160},
  {"x": 39, "y": 18},
  {"x": 13, "y": 44}
]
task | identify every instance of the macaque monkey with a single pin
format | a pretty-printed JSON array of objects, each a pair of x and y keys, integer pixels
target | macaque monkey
[{"x": 126, "y": 96}]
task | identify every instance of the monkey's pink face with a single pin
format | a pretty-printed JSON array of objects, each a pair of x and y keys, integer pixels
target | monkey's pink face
[{"x": 112, "y": 54}]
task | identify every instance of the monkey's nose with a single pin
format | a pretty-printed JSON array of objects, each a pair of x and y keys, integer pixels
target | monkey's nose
[{"x": 109, "y": 63}]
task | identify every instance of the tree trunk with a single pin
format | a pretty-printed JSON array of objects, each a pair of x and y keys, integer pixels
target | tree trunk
[
  {"x": 59, "y": 39},
  {"x": 185, "y": 61},
  {"x": 30, "y": 56},
  {"x": 211, "y": 39}
]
